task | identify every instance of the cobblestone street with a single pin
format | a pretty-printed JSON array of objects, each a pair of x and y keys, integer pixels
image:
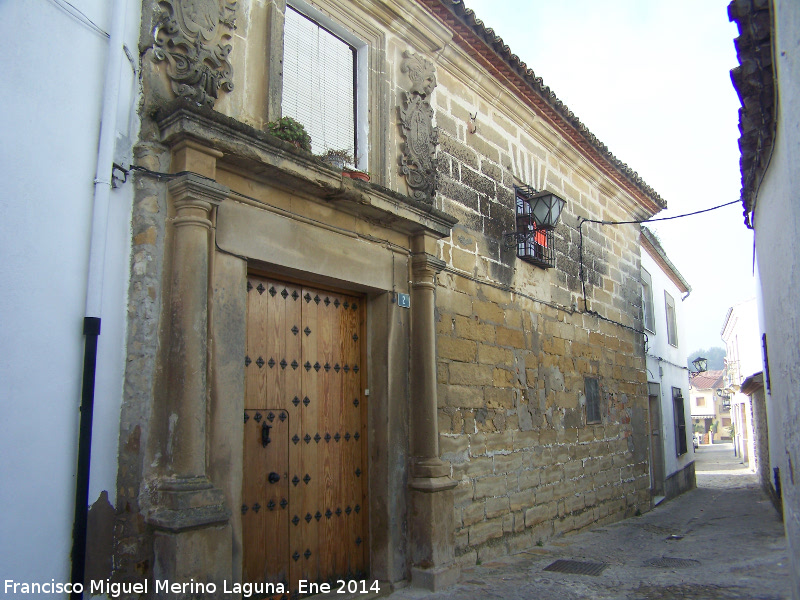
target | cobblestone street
[{"x": 722, "y": 540}]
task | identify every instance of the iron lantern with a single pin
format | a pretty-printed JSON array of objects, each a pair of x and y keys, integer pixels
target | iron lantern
[
  {"x": 546, "y": 209},
  {"x": 700, "y": 364}
]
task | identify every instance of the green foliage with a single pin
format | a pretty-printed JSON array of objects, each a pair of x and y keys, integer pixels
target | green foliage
[{"x": 286, "y": 128}]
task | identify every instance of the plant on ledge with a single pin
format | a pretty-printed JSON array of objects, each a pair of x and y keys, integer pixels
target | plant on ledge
[
  {"x": 286, "y": 128},
  {"x": 338, "y": 159}
]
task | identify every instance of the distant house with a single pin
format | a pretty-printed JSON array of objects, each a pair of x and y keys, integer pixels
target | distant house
[
  {"x": 711, "y": 408},
  {"x": 742, "y": 338},
  {"x": 672, "y": 452}
]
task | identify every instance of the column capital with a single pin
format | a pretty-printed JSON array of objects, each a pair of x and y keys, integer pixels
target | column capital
[
  {"x": 196, "y": 189},
  {"x": 194, "y": 196},
  {"x": 424, "y": 268}
]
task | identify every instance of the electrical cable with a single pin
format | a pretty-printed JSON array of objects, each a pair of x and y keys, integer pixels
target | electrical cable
[
  {"x": 502, "y": 287},
  {"x": 581, "y": 221},
  {"x": 80, "y": 16}
]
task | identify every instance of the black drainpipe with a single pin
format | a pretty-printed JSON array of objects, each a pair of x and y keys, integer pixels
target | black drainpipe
[{"x": 91, "y": 331}]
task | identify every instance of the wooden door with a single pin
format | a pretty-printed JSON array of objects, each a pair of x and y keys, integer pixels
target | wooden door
[{"x": 304, "y": 491}]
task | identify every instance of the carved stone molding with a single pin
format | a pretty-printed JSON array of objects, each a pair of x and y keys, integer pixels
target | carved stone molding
[
  {"x": 418, "y": 161},
  {"x": 191, "y": 36}
]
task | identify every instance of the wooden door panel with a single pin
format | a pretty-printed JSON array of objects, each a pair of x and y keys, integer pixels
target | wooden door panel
[
  {"x": 265, "y": 495},
  {"x": 310, "y": 347}
]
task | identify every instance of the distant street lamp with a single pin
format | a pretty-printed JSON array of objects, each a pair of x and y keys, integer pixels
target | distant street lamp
[{"x": 700, "y": 364}]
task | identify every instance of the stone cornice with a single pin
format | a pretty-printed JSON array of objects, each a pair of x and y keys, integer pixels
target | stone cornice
[
  {"x": 489, "y": 51},
  {"x": 268, "y": 158}
]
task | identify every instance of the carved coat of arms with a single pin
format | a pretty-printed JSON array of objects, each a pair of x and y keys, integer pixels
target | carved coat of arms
[
  {"x": 191, "y": 36},
  {"x": 418, "y": 161}
]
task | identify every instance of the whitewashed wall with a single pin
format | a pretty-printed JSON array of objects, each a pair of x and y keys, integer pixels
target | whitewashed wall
[
  {"x": 742, "y": 337},
  {"x": 671, "y": 370},
  {"x": 53, "y": 72},
  {"x": 777, "y": 224}
]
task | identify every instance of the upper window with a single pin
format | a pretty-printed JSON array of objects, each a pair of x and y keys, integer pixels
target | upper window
[
  {"x": 701, "y": 401},
  {"x": 537, "y": 246},
  {"x": 321, "y": 67},
  {"x": 672, "y": 321},
  {"x": 647, "y": 302}
]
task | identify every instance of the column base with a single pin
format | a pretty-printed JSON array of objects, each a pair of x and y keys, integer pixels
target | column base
[
  {"x": 192, "y": 543},
  {"x": 430, "y": 468},
  {"x": 185, "y": 503},
  {"x": 433, "y": 534},
  {"x": 197, "y": 557},
  {"x": 436, "y": 578}
]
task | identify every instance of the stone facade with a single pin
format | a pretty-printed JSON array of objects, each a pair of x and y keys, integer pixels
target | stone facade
[{"x": 478, "y": 440}]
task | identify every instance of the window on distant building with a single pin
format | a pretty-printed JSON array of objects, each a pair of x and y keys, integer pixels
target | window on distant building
[
  {"x": 701, "y": 401},
  {"x": 672, "y": 322},
  {"x": 647, "y": 302},
  {"x": 537, "y": 247},
  {"x": 323, "y": 65},
  {"x": 680, "y": 421},
  {"x": 592, "y": 388}
]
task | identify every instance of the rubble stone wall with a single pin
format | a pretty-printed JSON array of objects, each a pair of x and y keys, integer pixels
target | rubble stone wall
[{"x": 515, "y": 341}]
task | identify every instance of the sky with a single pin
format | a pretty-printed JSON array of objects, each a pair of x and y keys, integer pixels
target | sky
[{"x": 651, "y": 80}]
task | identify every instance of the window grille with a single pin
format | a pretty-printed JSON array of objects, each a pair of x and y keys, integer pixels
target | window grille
[
  {"x": 592, "y": 388},
  {"x": 537, "y": 246},
  {"x": 319, "y": 83}
]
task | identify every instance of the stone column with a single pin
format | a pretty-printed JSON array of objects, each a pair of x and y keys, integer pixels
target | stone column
[
  {"x": 432, "y": 521},
  {"x": 192, "y": 534}
]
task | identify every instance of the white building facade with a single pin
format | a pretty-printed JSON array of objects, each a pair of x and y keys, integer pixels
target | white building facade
[
  {"x": 711, "y": 407},
  {"x": 672, "y": 452},
  {"x": 65, "y": 242},
  {"x": 742, "y": 337},
  {"x": 768, "y": 84}
]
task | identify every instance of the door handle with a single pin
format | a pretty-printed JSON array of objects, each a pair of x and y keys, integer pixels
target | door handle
[
  {"x": 265, "y": 434},
  {"x": 274, "y": 477}
]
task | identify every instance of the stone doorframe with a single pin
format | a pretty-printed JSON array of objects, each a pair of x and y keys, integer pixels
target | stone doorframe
[{"x": 411, "y": 503}]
